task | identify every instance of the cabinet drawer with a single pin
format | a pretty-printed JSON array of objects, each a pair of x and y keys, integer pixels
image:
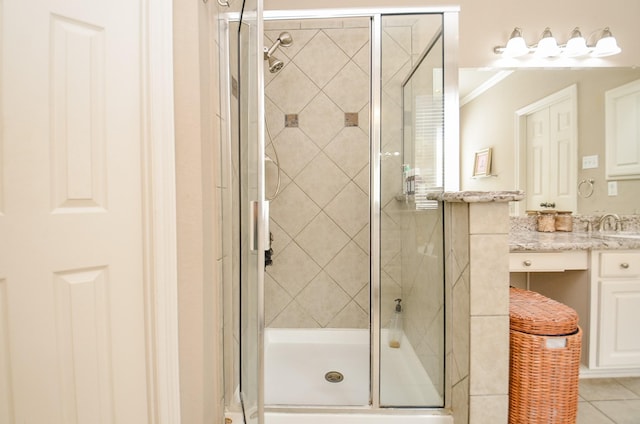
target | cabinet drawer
[
  {"x": 616, "y": 264},
  {"x": 548, "y": 261}
]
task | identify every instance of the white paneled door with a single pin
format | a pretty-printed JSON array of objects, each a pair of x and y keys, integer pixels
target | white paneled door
[
  {"x": 551, "y": 152},
  {"x": 72, "y": 329}
]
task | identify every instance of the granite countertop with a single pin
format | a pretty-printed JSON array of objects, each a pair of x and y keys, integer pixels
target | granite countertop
[
  {"x": 476, "y": 196},
  {"x": 528, "y": 241}
]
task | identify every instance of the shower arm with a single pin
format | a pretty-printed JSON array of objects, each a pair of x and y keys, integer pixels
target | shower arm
[
  {"x": 284, "y": 40},
  {"x": 269, "y": 51}
]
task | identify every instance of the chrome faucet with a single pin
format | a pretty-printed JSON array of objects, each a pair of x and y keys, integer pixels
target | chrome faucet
[{"x": 605, "y": 219}]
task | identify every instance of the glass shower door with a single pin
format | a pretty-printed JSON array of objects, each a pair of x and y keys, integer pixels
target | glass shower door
[
  {"x": 411, "y": 229},
  {"x": 253, "y": 211}
]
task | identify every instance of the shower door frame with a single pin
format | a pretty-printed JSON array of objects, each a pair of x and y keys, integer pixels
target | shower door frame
[{"x": 451, "y": 179}]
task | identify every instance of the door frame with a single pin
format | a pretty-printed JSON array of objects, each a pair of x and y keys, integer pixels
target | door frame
[{"x": 159, "y": 212}]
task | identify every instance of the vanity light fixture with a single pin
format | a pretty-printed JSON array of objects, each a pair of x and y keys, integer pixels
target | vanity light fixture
[{"x": 548, "y": 47}]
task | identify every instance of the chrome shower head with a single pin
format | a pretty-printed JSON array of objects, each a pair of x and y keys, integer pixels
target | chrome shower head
[{"x": 275, "y": 64}]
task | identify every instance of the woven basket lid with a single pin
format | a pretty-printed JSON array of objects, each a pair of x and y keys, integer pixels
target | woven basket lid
[{"x": 533, "y": 313}]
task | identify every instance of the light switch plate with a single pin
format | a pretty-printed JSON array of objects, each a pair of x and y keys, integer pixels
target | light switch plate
[
  {"x": 589, "y": 162},
  {"x": 612, "y": 188}
]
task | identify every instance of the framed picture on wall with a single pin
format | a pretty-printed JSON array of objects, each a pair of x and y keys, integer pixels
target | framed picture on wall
[{"x": 482, "y": 163}]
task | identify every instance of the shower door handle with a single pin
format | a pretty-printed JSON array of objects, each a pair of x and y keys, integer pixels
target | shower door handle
[{"x": 253, "y": 223}]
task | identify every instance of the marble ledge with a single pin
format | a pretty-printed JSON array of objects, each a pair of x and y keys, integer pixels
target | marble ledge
[
  {"x": 476, "y": 196},
  {"x": 532, "y": 241}
]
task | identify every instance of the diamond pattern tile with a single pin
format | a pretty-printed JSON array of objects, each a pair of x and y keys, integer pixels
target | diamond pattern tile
[
  {"x": 274, "y": 119},
  {"x": 363, "y": 179},
  {"x": 294, "y": 316},
  {"x": 321, "y": 120},
  {"x": 395, "y": 57},
  {"x": 293, "y": 269},
  {"x": 350, "y": 88},
  {"x": 321, "y": 59},
  {"x": 320, "y": 220},
  {"x": 363, "y": 239},
  {"x": 295, "y": 150},
  {"x": 363, "y": 298},
  {"x": 350, "y": 209},
  {"x": 362, "y": 59},
  {"x": 323, "y": 299},
  {"x": 293, "y": 210},
  {"x": 389, "y": 89},
  {"x": 400, "y": 35},
  {"x": 322, "y": 180},
  {"x": 279, "y": 298},
  {"x": 350, "y": 269},
  {"x": 291, "y": 89},
  {"x": 352, "y": 316},
  {"x": 322, "y": 239},
  {"x": 350, "y": 40},
  {"x": 349, "y": 150},
  {"x": 280, "y": 238},
  {"x": 363, "y": 119},
  {"x": 271, "y": 175}
]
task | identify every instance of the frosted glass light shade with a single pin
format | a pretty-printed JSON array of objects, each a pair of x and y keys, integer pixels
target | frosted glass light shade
[
  {"x": 516, "y": 47},
  {"x": 547, "y": 46},
  {"x": 577, "y": 45},
  {"x": 606, "y": 46}
]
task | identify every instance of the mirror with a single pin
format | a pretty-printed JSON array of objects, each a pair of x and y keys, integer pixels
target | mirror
[{"x": 489, "y": 101}]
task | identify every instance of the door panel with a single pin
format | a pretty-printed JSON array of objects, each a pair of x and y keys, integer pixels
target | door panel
[
  {"x": 71, "y": 276},
  {"x": 551, "y": 157},
  {"x": 253, "y": 212}
]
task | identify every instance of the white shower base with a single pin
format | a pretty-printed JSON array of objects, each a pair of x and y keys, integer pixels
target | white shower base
[
  {"x": 296, "y": 361},
  {"x": 343, "y": 418}
]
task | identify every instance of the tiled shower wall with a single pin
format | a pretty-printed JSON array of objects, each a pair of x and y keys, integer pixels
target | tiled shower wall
[{"x": 317, "y": 115}]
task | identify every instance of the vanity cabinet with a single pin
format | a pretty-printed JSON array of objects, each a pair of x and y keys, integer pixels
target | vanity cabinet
[
  {"x": 548, "y": 261},
  {"x": 615, "y": 309}
]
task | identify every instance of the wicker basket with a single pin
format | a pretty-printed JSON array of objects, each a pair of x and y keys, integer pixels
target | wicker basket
[
  {"x": 533, "y": 313},
  {"x": 544, "y": 368}
]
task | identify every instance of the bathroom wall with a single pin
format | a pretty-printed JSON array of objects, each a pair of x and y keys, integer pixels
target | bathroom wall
[
  {"x": 197, "y": 126},
  {"x": 317, "y": 116}
]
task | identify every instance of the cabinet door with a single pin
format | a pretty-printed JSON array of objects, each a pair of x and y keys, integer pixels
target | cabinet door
[
  {"x": 623, "y": 132},
  {"x": 619, "y": 341}
]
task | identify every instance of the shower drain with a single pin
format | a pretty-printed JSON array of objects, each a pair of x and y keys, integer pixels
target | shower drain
[{"x": 334, "y": 377}]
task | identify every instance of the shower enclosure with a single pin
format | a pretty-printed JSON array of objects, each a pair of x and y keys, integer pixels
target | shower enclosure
[{"x": 337, "y": 117}]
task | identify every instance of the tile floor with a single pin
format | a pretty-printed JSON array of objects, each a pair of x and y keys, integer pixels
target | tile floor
[{"x": 609, "y": 401}]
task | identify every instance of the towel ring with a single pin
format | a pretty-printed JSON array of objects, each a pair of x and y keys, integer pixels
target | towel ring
[{"x": 586, "y": 191}]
